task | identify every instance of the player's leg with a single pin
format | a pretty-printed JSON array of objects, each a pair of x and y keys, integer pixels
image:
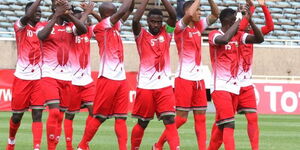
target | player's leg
[
  {"x": 199, "y": 106},
  {"x": 216, "y": 139},
  {"x": 37, "y": 107},
  {"x": 50, "y": 89},
  {"x": 102, "y": 108},
  {"x": 121, "y": 103},
  {"x": 20, "y": 102},
  {"x": 68, "y": 129},
  {"x": 165, "y": 102},
  {"x": 137, "y": 133},
  {"x": 225, "y": 104},
  {"x": 90, "y": 110},
  {"x": 247, "y": 106},
  {"x": 183, "y": 96},
  {"x": 143, "y": 110}
]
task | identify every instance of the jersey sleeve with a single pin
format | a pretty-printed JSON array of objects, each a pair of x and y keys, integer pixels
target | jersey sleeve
[
  {"x": 138, "y": 37},
  {"x": 40, "y": 26},
  {"x": 202, "y": 24},
  {"x": 180, "y": 26},
  {"x": 243, "y": 37},
  {"x": 103, "y": 24},
  {"x": 18, "y": 25},
  {"x": 269, "y": 21},
  {"x": 212, "y": 36}
]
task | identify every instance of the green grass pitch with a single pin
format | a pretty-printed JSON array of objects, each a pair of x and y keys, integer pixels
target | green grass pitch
[{"x": 277, "y": 132}]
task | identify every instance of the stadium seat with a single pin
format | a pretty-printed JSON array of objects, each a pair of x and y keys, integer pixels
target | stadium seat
[
  {"x": 9, "y": 1},
  {"x": 275, "y": 10},
  {"x": 2, "y": 19},
  {"x": 12, "y": 18},
  {"x": 7, "y": 13},
  {"x": 15, "y": 7},
  {"x": 4, "y": 7},
  {"x": 289, "y": 10},
  {"x": 295, "y": 4},
  {"x": 283, "y": 4},
  {"x": 6, "y": 35},
  {"x": 20, "y": 13},
  {"x": 22, "y": 2},
  {"x": 5, "y": 24}
]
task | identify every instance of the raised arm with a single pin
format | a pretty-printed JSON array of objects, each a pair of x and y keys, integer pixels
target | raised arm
[
  {"x": 136, "y": 25},
  {"x": 45, "y": 32},
  {"x": 258, "y": 36},
  {"x": 224, "y": 39},
  {"x": 84, "y": 6},
  {"x": 172, "y": 13},
  {"x": 187, "y": 18},
  {"x": 30, "y": 12},
  {"x": 121, "y": 12},
  {"x": 213, "y": 17},
  {"x": 268, "y": 18},
  {"x": 124, "y": 18},
  {"x": 88, "y": 9}
]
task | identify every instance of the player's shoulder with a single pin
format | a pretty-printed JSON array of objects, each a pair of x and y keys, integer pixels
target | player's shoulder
[{"x": 214, "y": 32}]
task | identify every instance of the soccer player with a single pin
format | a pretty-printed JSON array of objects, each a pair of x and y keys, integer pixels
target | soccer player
[
  {"x": 26, "y": 91},
  {"x": 82, "y": 88},
  {"x": 57, "y": 37},
  {"x": 224, "y": 56},
  {"x": 154, "y": 90},
  {"x": 190, "y": 91},
  {"x": 112, "y": 89},
  {"x": 246, "y": 99}
]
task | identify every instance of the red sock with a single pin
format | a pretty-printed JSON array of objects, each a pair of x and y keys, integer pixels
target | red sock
[
  {"x": 51, "y": 127},
  {"x": 179, "y": 122},
  {"x": 136, "y": 136},
  {"x": 88, "y": 119},
  {"x": 228, "y": 138},
  {"x": 37, "y": 132},
  {"x": 200, "y": 129},
  {"x": 216, "y": 138},
  {"x": 253, "y": 130},
  {"x": 13, "y": 128},
  {"x": 121, "y": 132},
  {"x": 68, "y": 128},
  {"x": 59, "y": 126},
  {"x": 89, "y": 132},
  {"x": 172, "y": 136}
]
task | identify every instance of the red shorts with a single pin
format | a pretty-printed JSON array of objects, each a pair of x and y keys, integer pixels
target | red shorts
[
  {"x": 56, "y": 92},
  {"x": 226, "y": 104},
  {"x": 159, "y": 101},
  {"x": 190, "y": 95},
  {"x": 112, "y": 98},
  {"x": 26, "y": 94},
  {"x": 246, "y": 100},
  {"x": 81, "y": 96}
]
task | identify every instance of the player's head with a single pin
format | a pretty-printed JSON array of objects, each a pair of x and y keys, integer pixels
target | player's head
[
  {"x": 154, "y": 20},
  {"x": 37, "y": 15},
  {"x": 227, "y": 17},
  {"x": 89, "y": 21},
  {"x": 107, "y": 9},
  {"x": 187, "y": 5}
]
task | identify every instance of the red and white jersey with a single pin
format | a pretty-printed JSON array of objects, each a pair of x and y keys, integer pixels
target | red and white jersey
[
  {"x": 29, "y": 53},
  {"x": 188, "y": 41},
  {"x": 56, "y": 50},
  {"x": 225, "y": 62},
  {"x": 81, "y": 60},
  {"x": 154, "y": 71},
  {"x": 245, "y": 64},
  {"x": 110, "y": 49}
]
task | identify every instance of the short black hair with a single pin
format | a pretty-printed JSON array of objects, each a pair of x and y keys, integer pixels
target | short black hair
[
  {"x": 28, "y": 5},
  {"x": 187, "y": 5},
  {"x": 77, "y": 11},
  {"x": 226, "y": 13},
  {"x": 155, "y": 11}
]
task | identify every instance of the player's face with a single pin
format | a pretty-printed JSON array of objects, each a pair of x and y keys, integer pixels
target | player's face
[
  {"x": 197, "y": 15},
  {"x": 37, "y": 15},
  {"x": 155, "y": 23},
  {"x": 77, "y": 15}
]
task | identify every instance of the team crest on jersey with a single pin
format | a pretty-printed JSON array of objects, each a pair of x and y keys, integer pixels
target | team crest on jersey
[
  {"x": 68, "y": 29},
  {"x": 86, "y": 39},
  {"x": 161, "y": 39}
]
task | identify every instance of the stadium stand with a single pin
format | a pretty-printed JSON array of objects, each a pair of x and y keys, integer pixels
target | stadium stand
[{"x": 285, "y": 15}]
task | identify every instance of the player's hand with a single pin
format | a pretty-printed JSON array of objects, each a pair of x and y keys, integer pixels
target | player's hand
[
  {"x": 250, "y": 2},
  {"x": 88, "y": 7},
  {"x": 261, "y": 2},
  {"x": 248, "y": 14},
  {"x": 61, "y": 8}
]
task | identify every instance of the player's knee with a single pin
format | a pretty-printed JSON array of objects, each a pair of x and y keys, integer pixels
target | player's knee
[
  {"x": 168, "y": 119},
  {"x": 37, "y": 115},
  {"x": 143, "y": 124},
  {"x": 70, "y": 116},
  {"x": 16, "y": 118},
  {"x": 54, "y": 112},
  {"x": 229, "y": 125}
]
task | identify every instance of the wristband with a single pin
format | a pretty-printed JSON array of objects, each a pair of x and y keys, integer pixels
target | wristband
[{"x": 239, "y": 16}]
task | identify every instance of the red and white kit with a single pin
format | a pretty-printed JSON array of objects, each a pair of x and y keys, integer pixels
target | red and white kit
[
  {"x": 154, "y": 93},
  {"x": 110, "y": 101},
  {"x": 83, "y": 88},
  {"x": 225, "y": 63},
  {"x": 190, "y": 89},
  {"x": 56, "y": 69},
  {"x": 26, "y": 86}
]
